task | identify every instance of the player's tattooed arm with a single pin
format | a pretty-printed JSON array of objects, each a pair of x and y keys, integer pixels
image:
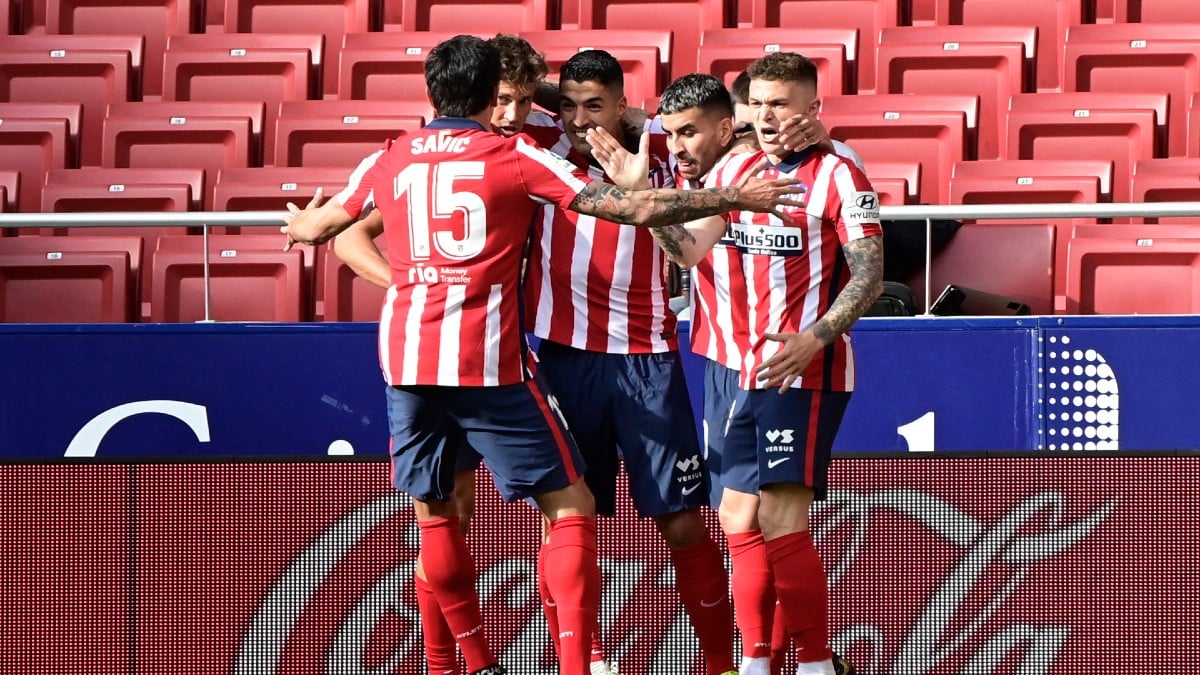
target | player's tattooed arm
[
  {"x": 656, "y": 208},
  {"x": 865, "y": 259}
]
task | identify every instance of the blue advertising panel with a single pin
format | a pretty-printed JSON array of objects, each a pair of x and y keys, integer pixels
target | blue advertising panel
[
  {"x": 191, "y": 392},
  {"x": 1124, "y": 384},
  {"x": 941, "y": 385}
]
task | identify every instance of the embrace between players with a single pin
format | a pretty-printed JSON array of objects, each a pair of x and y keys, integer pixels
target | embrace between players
[{"x": 490, "y": 235}]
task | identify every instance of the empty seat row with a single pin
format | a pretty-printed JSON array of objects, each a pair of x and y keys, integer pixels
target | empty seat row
[
  {"x": 98, "y": 278},
  {"x": 1107, "y": 268}
]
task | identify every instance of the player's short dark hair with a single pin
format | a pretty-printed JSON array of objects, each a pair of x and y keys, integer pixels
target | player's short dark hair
[
  {"x": 697, "y": 90},
  {"x": 520, "y": 63},
  {"x": 784, "y": 67},
  {"x": 462, "y": 74},
  {"x": 593, "y": 65},
  {"x": 740, "y": 91}
]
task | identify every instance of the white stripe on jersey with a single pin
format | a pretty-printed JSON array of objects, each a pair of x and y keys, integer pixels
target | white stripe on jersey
[
  {"x": 656, "y": 299},
  {"x": 385, "y": 332},
  {"x": 356, "y": 176},
  {"x": 846, "y": 187},
  {"x": 450, "y": 335},
  {"x": 849, "y": 363},
  {"x": 816, "y": 263},
  {"x": 618, "y": 292},
  {"x": 585, "y": 235},
  {"x": 412, "y": 333},
  {"x": 556, "y": 165},
  {"x": 541, "y": 322},
  {"x": 491, "y": 339}
]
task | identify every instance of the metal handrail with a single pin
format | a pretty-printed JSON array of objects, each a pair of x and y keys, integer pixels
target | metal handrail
[{"x": 927, "y": 213}]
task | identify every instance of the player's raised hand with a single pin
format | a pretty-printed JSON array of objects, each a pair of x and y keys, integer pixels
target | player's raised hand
[
  {"x": 293, "y": 229},
  {"x": 787, "y": 365},
  {"x": 801, "y": 131},
  {"x": 772, "y": 196},
  {"x": 624, "y": 168}
]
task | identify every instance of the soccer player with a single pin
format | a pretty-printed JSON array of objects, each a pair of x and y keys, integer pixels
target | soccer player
[
  {"x": 457, "y": 200},
  {"x": 797, "y": 305},
  {"x": 596, "y": 293},
  {"x": 521, "y": 69}
]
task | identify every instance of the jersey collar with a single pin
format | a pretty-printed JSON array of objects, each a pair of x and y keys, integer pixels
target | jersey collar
[
  {"x": 454, "y": 123},
  {"x": 794, "y": 160}
]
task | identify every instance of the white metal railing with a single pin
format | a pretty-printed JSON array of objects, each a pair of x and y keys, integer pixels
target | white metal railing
[{"x": 927, "y": 213}]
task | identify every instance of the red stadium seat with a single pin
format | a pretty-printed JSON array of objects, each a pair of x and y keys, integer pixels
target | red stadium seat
[
  {"x": 1154, "y": 11},
  {"x": 87, "y": 69},
  {"x": 333, "y": 18},
  {"x": 338, "y": 133},
  {"x": 869, "y": 16},
  {"x": 34, "y": 138},
  {"x": 760, "y": 41},
  {"x": 473, "y": 17},
  {"x": 348, "y": 297},
  {"x": 7, "y": 18},
  {"x": 1166, "y": 180},
  {"x": 896, "y": 182},
  {"x": 994, "y": 65},
  {"x": 10, "y": 183},
  {"x": 1133, "y": 275},
  {"x": 182, "y": 134},
  {"x": 687, "y": 19},
  {"x": 1147, "y": 58},
  {"x": 1029, "y": 170},
  {"x": 1051, "y": 19},
  {"x": 83, "y": 287},
  {"x": 727, "y": 52},
  {"x": 1011, "y": 260},
  {"x": 271, "y": 67},
  {"x": 933, "y": 130},
  {"x": 391, "y": 66},
  {"x": 155, "y": 19},
  {"x": 271, "y": 189},
  {"x": 248, "y": 281},
  {"x": 645, "y": 55},
  {"x": 1067, "y": 126}
]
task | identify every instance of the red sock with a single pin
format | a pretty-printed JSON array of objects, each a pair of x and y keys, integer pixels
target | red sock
[
  {"x": 753, "y": 592},
  {"x": 450, "y": 570},
  {"x": 573, "y": 575},
  {"x": 779, "y": 642},
  {"x": 440, "y": 651},
  {"x": 803, "y": 594},
  {"x": 703, "y": 588},
  {"x": 597, "y": 648},
  {"x": 548, "y": 607}
]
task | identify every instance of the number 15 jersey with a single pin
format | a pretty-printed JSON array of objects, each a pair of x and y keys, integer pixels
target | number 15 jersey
[{"x": 457, "y": 202}]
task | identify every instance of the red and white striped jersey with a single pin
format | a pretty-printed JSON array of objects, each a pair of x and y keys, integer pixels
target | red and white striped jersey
[
  {"x": 794, "y": 272},
  {"x": 596, "y": 285},
  {"x": 719, "y": 318},
  {"x": 457, "y": 203}
]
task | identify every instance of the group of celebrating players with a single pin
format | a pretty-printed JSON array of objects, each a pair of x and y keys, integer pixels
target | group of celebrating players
[{"x": 501, "y": 220}]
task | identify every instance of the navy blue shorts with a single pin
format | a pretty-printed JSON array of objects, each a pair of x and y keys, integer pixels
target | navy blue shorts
[
  {"x": 720, "y": 391},
  {"x": 639, "y": 403},
  {"x": 522, "y": 439},
  {"x": 781, "y": 438}
]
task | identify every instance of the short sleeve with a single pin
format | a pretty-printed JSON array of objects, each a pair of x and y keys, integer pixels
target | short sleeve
[
  {"x": 858, "y": 204},
  {"x": 548, "y": 178},
  {"x": 358, "y": 192}
]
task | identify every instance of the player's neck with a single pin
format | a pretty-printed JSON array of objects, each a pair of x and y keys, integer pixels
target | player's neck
[{"x": 484, "y": 118}]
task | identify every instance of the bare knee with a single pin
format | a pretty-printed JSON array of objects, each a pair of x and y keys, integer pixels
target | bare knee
[
  {"x": 784, "y": 509},
  {"x": 681, "y": 530},
  {"x": 574, "y": 500},
  {"x": 738, "y": 511},
  {"x": 464, "y": 498}
]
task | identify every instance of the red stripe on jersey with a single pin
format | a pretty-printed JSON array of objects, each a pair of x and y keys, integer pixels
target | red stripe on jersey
[
  {"x": 556, "y": 429},
  {"x": 810, "y": 443}
]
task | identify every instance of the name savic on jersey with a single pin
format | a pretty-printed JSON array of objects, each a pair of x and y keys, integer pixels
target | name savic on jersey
[{"x": 768, "y": 240}]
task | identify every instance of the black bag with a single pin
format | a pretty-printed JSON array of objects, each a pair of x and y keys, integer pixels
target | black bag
[{"x": 896, "y": 300}]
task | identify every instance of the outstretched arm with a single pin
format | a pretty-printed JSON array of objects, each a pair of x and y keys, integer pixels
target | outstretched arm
[
  {"x": 865, "y": 260},
  {"x": 655, "y": 208},
  {"x": 315, "y": 224},
  {"x": 356, "y": 247}
]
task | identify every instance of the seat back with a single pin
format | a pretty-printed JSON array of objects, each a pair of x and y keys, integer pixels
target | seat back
[
  {"x": 1133, "y": 275},
  {"x": 33, "y": 144},
  {"x": 68, "y": 279},
  {"x": 339, "y": 133},
  {"x": 687, "y": 20},
  {"x": 386, "y": 66},
  {"x": 348, "y": 297}
]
